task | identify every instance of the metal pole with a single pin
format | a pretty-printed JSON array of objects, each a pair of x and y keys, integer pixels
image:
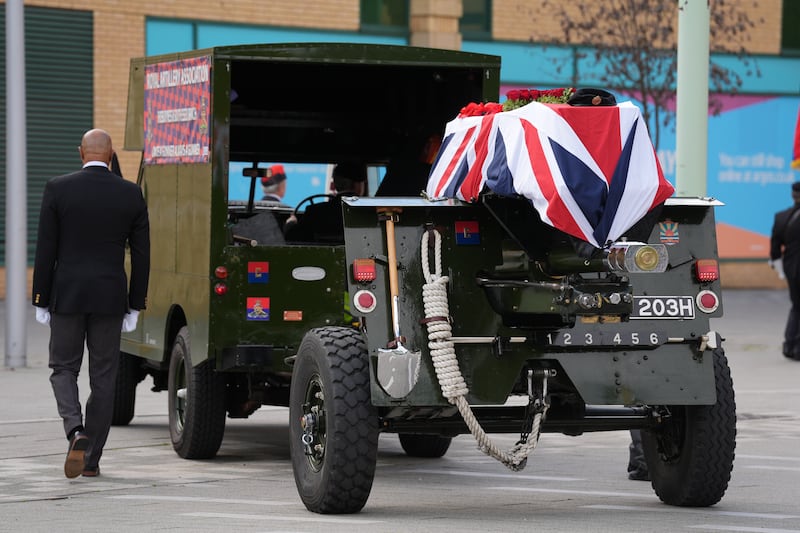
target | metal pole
[
  {"x": 16, "y": 194},
  {"x": 691, "y": 121}
]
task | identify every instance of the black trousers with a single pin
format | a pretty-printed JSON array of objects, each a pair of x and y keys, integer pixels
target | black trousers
[
  {"x": 791, "y": 345},
  {"x": 101, "y": 335}
]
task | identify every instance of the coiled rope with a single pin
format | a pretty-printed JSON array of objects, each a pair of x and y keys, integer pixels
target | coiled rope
[{"x": 443, "y": 354}]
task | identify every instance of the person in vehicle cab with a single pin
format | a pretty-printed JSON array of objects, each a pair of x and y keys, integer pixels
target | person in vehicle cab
[
  {"x": 274, "y": 185},
  {"x": 322, "y": 222}
]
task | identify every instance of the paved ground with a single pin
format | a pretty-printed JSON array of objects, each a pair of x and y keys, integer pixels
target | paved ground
[{"x": 576, "y": 484}]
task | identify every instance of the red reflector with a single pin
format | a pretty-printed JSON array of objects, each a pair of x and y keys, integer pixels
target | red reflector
[
  {"x": 364, "y": 270},
  {"x": 364, "y": 301},
  {"x": 221, "y": 272},
  {"x": 220, "y": 288},
  {"x": 706, "y": 270},
  {"x": 707, "y": 301}
]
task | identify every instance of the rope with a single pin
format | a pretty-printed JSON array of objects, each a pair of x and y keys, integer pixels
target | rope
[{"x": 443, "y": 354}]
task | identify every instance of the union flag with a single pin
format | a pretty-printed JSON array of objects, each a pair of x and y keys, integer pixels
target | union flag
[{"x": 591, "y": 172}]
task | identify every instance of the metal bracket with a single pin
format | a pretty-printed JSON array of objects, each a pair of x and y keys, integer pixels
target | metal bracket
[{"x": 537, "y": 399}]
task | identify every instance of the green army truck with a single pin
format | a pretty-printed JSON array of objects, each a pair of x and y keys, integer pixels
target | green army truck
[{"x": 429, "y": 316}]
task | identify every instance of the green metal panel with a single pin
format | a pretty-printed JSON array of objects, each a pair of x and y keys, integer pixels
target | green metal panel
[
  {"x": 59, "y": 91},
  {"x": 672, "y": 373},
  {"x": 189, "y": 217}
]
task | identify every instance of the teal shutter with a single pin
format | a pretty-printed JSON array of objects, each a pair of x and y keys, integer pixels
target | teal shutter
[{"x": 59, "y": 57}]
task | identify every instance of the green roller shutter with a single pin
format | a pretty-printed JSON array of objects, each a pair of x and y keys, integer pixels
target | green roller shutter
[{"x": 59, "y": 87}]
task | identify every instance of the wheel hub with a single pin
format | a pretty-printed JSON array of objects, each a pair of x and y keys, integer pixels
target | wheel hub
[{"x": 313, "y": 424}]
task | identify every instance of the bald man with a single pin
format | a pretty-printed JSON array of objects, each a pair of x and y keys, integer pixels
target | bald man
[{"x": 80, "y": 289}]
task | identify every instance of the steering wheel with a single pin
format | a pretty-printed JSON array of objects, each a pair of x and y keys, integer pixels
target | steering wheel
[{"x": 310, "y": 200}]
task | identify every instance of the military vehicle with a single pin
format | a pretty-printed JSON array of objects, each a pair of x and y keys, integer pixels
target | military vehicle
[{"x": 430, "y": 317}]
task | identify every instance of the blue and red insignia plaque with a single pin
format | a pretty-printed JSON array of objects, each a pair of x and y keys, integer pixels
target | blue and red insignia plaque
[
  {"x": 258, "y": 272},
  {"x": 467, "y": 232},
  {"x": 258, "y": 308}
]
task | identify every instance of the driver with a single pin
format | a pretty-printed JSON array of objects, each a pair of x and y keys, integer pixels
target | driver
[{"x": 322, "y": 222}]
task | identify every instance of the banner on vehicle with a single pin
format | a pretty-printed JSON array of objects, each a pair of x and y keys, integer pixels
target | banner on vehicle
[{"x": 177, "y": 111}]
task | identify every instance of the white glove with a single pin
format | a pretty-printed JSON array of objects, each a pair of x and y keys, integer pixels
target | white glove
[
  {"x": 777, "y": 265},
  {"x": 42, "y": 316},
  {"x": 129, "y": 321}
]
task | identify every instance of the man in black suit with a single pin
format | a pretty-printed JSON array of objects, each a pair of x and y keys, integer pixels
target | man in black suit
[
  {"x": 784, "y": 255},
  {"x": 80, "y": 289}
]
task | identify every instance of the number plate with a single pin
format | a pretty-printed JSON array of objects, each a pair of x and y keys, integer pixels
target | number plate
[
  {"x": 606, "y": 338},
  {"x": 662, "y": 308}
]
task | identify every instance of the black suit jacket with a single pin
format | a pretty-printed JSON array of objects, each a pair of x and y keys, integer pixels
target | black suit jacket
[
  {"x": 87, "y": 217},
  {"x": 785, "y": 239}
]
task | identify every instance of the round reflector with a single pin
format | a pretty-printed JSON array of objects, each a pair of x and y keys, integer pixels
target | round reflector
[
  {"x": 646, "y": 258},
  {"x": 221, "y": 272},
  {"x": 220, "y": 288},
  {"x": 364, "y": 301},
  {"x": 707, "y": 301}
]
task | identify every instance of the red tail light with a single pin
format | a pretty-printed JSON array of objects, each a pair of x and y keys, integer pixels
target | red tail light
[
  {"x": 220, "y": 288},
  {"x": 364, "y": 270},
  {"x": 706, "y": 270},
  {"x": 221, "y": 272}
]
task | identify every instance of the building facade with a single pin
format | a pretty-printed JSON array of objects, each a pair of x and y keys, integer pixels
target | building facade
[{"x": 78, "y": 54}]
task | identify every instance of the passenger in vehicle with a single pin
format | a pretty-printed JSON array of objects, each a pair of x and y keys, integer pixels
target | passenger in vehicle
[
  {"x": 322, "y": 222},
  {"x": 274, "y": 185},
  {"x": 407, "y": 172}
]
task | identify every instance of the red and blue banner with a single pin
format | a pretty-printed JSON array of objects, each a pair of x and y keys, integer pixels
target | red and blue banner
[
  {"x": 591, "y": 172},
  {"x": 796, "y": 149},
  {"x": 177, "y": 111}
]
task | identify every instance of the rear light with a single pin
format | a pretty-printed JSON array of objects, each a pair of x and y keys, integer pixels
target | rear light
[
  {"x": 220, "y": 288},
  {"x": 707, "y": 301},
  {"x": 364, "y": 270},
  {"x": 221, "y": 272},
  {"x": 637, "y": 257},
  {"x": 364, "y": 301},
  {"x": 706, "y": 270}
]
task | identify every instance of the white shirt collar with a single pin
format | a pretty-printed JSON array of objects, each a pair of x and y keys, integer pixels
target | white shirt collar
[{"x": 95, "y": 164}]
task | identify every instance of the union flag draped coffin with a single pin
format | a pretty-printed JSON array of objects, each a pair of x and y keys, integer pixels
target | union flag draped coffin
[{"x": 590, "y": 172}]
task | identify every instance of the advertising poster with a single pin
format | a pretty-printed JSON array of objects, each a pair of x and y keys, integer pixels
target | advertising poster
[{"x": 177, "y": 111}]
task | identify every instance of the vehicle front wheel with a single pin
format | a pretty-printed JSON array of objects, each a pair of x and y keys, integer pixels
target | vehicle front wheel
[
  {"x": 690, "y": 458},
  {"x": 333, "y": 424},
  {"x": 196, "y": 403}
]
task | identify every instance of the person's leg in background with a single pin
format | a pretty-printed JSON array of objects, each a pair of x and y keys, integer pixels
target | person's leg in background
[{"x": 637, "y": 466}]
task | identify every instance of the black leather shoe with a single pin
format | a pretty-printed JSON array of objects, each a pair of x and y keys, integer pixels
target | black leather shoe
[
  {"x": 73, "y": 465},
  {"x": 91, "y": 471},
  {"x": 639, "y": 474}
]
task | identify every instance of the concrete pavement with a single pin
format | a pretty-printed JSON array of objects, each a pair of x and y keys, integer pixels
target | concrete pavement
[
  {"x": 574, "y": 485},
  {"x": 752, "y": 328}
]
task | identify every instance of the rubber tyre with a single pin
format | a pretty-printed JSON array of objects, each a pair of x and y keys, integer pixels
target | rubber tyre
[
  {"x": 331, "y": 378},
  {"x": 432, "y": 446},
  {"x": 196, "y": 421},
  {"x": 691, "y": 459},
  {"x": 129, "y": 374}
]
